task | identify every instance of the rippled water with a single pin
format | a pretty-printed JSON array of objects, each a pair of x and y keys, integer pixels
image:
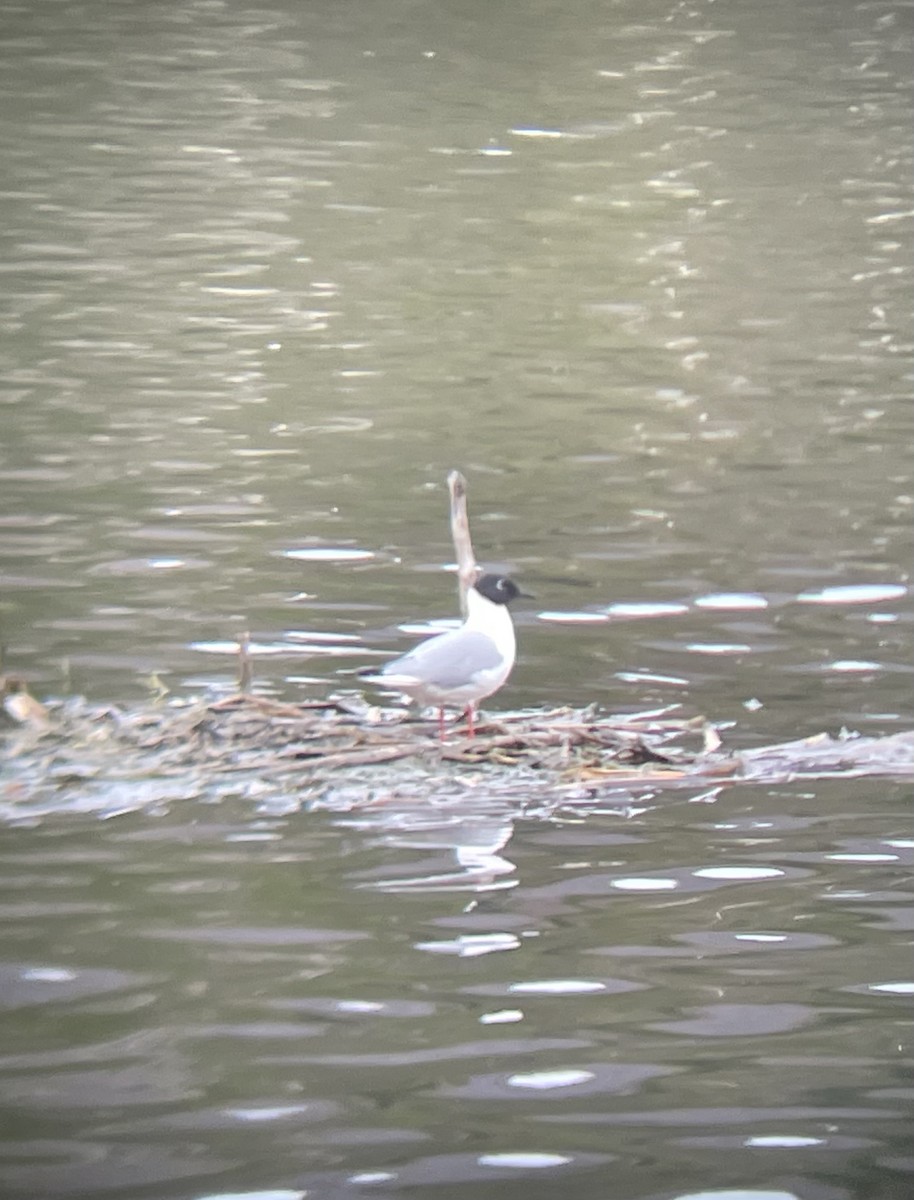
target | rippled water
[
  {"x": 642, "y": 271},
  {"x": 416, "y": 1002}
]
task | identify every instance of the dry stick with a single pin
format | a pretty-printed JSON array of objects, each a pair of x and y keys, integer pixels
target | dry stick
[
  {"x": 467, "y": 570},
  {"x": 245, "y": 666}
]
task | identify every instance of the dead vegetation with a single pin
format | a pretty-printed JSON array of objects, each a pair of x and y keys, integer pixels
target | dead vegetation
[{"x": 344, "y": 752}]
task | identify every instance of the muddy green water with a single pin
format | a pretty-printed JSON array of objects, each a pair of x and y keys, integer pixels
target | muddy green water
[{"x": 643, "y": 272}]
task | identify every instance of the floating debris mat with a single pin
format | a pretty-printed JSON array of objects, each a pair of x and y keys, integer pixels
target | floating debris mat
[{"x": 343, "y": 752}]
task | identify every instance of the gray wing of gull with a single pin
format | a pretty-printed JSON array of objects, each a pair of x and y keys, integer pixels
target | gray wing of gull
[{"x": 449, "y": 660}]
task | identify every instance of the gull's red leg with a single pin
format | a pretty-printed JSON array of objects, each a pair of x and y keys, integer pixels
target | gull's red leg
[
  {"x": 440, "y": 724},
  {"x": 471, "y": 728}
]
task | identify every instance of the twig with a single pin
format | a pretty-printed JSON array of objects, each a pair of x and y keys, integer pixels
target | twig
[
  {"x": 356, "y": 757},
  {"x": 20, "y": 705},
  {"x": 460, "y": 532},
  {"x": 270, "y": 707},
  {"x": 245, "y": 666}
]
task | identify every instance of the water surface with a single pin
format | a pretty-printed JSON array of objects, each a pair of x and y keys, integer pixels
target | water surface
[{"x": 641, "y": 271}]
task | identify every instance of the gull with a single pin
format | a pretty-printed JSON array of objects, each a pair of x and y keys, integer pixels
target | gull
[{"x": 463, "y": 666}]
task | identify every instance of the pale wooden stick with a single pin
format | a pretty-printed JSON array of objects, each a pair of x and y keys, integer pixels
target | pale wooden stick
[
  {"x": 245, "y": 666},
  {"x": 467, "y": 571}
]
